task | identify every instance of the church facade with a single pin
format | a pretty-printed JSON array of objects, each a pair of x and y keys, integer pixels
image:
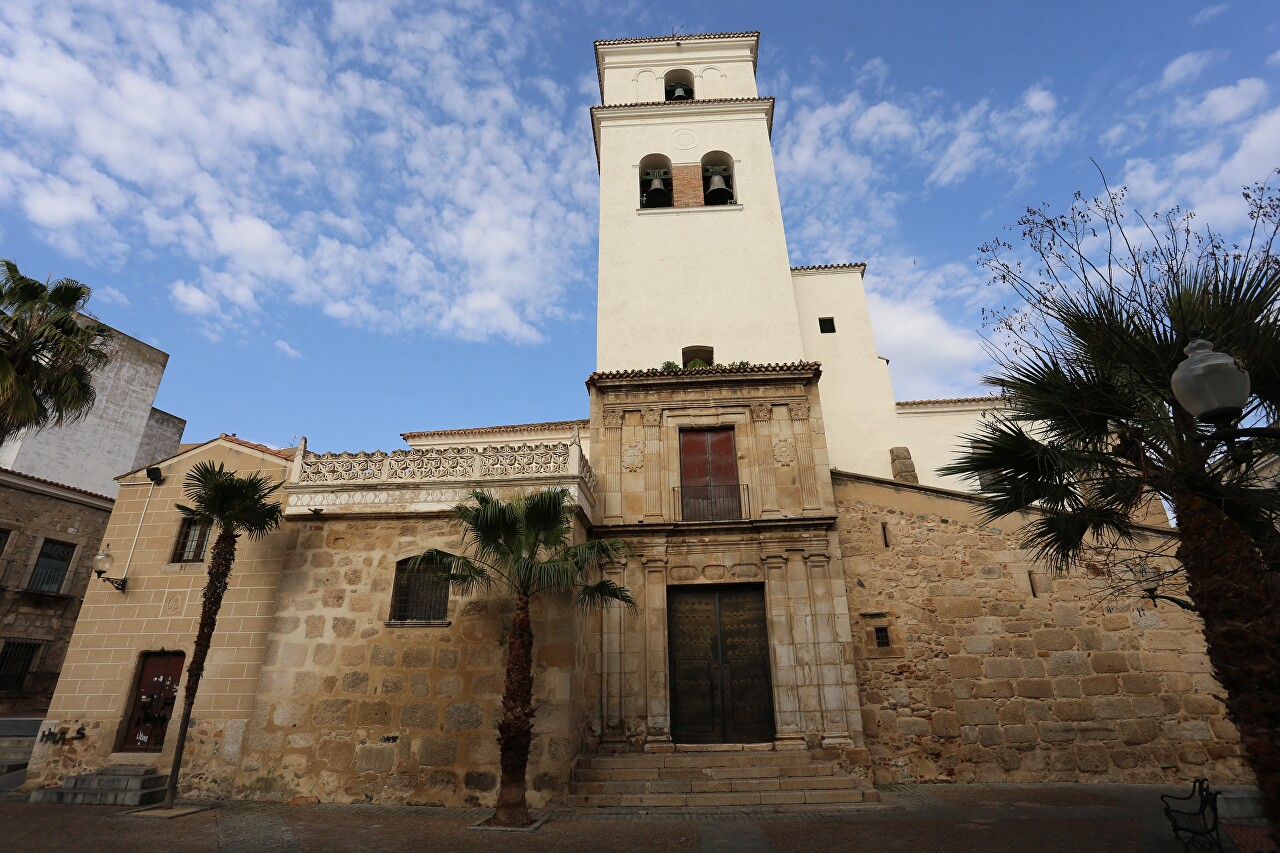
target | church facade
[{"x": 819, "y": 611}]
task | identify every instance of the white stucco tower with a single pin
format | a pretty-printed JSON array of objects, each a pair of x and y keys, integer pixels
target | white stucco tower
[{"x": 689, "y": 268}]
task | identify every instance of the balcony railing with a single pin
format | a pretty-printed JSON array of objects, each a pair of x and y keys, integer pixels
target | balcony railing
[
  {"x": 46, "y": 579},
  {"x": 712, "y": 503}
]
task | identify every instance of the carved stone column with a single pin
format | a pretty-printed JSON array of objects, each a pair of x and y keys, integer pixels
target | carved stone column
[
  {"x": 613, "y": 736},
  {"x": 611, "y": 453},
  {"x": 827, "y": 647},
  {"x": 657, "y": 693},
  {"x": 786, "y": 699},
  {"x": 803, "y": 636},
  {"x": 767, "y": 498},
  {"x": 654, "y": 481},
  {"x": 804, "y": 455}
]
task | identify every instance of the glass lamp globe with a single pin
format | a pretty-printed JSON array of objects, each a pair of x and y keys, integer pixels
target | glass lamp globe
[
  {"x": 103, "y": 561},
  {"x": 1212, "y": 386}
]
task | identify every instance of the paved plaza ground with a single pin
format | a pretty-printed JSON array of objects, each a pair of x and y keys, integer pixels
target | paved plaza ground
[{"x": 985, "y": 818}]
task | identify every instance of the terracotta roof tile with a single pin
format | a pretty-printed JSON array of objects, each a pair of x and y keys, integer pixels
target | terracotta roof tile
[
  {"x": 848, "y": 266},
  {"x": 596, "y": 136},
  {"x": 657, "y": 372},
  {"x": 286, "y": 453},
  {"x": 682, "y": 37},
  {"x": 36, "y": 479},
  {"x": 990, "y": 399},
  {"x": 537, "y": 427}
]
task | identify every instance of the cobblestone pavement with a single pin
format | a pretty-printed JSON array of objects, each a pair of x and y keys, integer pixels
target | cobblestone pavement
[{"x": 985, "y": 818}]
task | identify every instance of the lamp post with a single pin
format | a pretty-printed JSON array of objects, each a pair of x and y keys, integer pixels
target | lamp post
[
  {"x": 102, "y": 563},
  {"x": 1214, "y": 388}
]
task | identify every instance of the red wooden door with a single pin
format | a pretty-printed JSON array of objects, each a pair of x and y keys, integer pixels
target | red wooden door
[
  {"x": 709, "y": 475},
  {"x": 153, "y": 700}
]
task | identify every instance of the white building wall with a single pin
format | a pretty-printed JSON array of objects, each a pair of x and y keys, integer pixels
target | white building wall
[
  {"x": 682, "y": 276},
  {"x": 91, "y": 452},
  {"x": 857, "y": 397},
  {"x": 721, "y": 68},
  {"x": 932, "y": 433}
]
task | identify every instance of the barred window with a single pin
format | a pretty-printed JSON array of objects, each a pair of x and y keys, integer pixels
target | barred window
[
  {"x": 18, "y": 659},
  {"x": 192, "y": 539},
  {"x": 882, "y": 637},
  {"x": 50, "y": 570},
  {"x": 415, "y": 598}
]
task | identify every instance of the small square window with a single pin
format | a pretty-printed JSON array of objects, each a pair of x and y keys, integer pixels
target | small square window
[
  {"x": 827, "y": 325},
  {"x": 882, "y": 637}
]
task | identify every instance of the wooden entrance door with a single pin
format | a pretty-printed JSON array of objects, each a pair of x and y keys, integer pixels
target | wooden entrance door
[
  {"x": 719, "y": 648},
  {"x": 153, "y": 700}
]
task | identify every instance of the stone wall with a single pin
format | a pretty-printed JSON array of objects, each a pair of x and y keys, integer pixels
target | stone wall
[
  {"x": 31, "y": 517},
  {"x": 351, "y": 709},
  {"x": 998, "y": 672}
]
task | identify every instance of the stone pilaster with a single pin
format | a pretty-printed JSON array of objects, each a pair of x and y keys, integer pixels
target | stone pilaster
[
  {"x": 799, "y": 412},
  {"x": 762, "y": 434},
  {"x": 654, "y": 483},
  {"x": 612, "y": 623},
  {"x": 658, "y": 728},
  {"x": 611, "y": 453},
  {"x": 786, "y": 699}
]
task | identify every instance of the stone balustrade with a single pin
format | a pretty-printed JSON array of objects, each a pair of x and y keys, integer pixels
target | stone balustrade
[{"x": 382, "y": 481}]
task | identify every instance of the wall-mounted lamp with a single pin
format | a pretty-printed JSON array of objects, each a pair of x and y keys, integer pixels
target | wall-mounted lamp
[
  {"x": 102, "y": 563},
  {"x": 155, "y": 476}
]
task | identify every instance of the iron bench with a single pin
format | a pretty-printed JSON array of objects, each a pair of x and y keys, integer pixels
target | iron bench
[{"x": 1194, "y": 818}]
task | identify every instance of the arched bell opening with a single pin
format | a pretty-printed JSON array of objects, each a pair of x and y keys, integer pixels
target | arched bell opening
[
  {"x": 655, "y": 181},
  {"x": 678, "y": 84},
  {"x": 698, "y": 356},
  {"x": 717, "y": 178}
]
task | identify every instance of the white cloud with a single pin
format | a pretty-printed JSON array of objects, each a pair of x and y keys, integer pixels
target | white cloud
[
  {"x": 1274, "y": 59},
  {"x": 284, "y": 347},
  {"x": 1185, "y": 68},
  {"x": 1229, "y": 103},
  {"x": 929, "y": 355},
  {"x": 111, "y": 295},
  {"x": 1208, "y": 13},
  {"x": 355, "y": 158}
]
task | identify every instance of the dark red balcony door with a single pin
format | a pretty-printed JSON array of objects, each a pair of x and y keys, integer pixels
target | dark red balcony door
[{"x": 709, "y": 488}]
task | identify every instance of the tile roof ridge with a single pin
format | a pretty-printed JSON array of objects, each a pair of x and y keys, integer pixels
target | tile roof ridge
[
  {"x": 46, "y": 481},
  {"x": 680, "y": 37}
]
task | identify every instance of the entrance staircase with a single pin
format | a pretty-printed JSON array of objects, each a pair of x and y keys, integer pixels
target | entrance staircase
[
  {"x": 799, "y": 780},
  {"x": 110, "y": 786}
]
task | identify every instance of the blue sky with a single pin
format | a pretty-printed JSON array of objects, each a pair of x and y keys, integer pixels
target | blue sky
[{"x": 354, "y": 219}]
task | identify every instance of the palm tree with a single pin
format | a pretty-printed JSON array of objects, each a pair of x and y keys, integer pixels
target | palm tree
[
  {"x": 236, "y": 506},
  {"x": 1090, "y": 432},
  {"x": 48, "y": 351},
  {"x": 524, "y": 548}
]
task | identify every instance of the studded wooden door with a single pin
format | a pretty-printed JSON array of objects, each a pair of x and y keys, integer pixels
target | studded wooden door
[
  {"x": 153, "y": 701},
  {"x": 719, "y": 647}
]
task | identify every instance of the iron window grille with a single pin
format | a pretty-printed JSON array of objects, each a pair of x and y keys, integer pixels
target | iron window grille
[
  {"x": 51, "y": 567},
  {"x": 882, "y": 637},
  {"x": 19, "y": 660},
  {"x": 416, "y": 597},
  {"x": 192, "y": 540}
]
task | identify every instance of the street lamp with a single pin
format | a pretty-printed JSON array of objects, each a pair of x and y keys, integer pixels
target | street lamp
[
  {"x": 102, "y": 563},
  {"x": 1149, "y": 579},
  {"x": 1214, "y": 388}
]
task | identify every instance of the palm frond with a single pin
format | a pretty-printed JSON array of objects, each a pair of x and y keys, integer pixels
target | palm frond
[{"x": 603, "y": 593}]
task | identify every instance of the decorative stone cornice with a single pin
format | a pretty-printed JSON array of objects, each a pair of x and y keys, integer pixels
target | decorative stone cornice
[
  {"x": 650, "y": 110},
  {"x": 806, "y": 369}
]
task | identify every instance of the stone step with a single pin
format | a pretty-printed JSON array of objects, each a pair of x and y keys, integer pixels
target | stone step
[
  {"x": 20, "y": 726},
  {"x": 115, "y": 782},
  {"x": 718, "y": 786},
  {"x": 687, "y": 760},
  {"x": 709, "y": 800},
  {"x": 26, "y": 743},
  {"x": 89, "y": 797},
  {"x": 815, "y": 769},
  {"x": 126, "y": 770},
  {"x": 15, "y": 753}
]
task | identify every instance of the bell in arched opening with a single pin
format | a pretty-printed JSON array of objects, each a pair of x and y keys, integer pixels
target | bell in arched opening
[
  {"x": 718, "y": 190},
  {"x": 679, "y": 92},
  {"x": 656, "y": 192}
]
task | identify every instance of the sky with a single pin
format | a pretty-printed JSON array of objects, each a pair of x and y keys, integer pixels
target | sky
[{"x": 353, "y": 219}]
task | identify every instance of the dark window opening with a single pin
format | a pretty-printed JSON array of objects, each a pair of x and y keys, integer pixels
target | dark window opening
[
  {"x": 50, "y": 570},
  {"x": 192, "y": 540},
  {"x": 709, "y": 489},
  {"x": 882, "y": 637},
  {"x": 4, "y": 539},
  {"x": 678, "y": 85},
  {"x": 417, "y": 595},
  {"x": 827, "y": 325},
  {"x": 18, "y": 660},
  {"x": 884, "y": 532},
  {"x": 698, "y": 356}
]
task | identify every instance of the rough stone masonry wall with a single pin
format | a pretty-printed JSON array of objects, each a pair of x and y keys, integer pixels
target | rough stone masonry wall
[
  {"x": 998, "y": 672},
  {"x": 31, "y": 518},
  {"x": 353, "y": 710}
]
